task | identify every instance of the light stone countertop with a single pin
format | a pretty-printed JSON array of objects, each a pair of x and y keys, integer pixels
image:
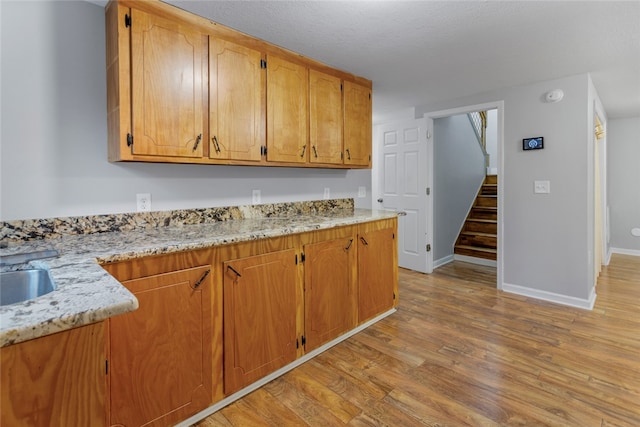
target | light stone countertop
[{"x": 86, "y": 293}]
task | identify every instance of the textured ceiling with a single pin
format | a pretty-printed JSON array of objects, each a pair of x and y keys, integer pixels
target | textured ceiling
[{"x": 419, "y": 52}]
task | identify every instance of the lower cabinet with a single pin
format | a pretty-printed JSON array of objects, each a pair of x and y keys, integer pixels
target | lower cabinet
[
  {"x": 161, "y": 359},
  {"x": 214, "y": 321},
  {"x": 377, "y": 269},
  {"x": 55, "y": 380},
  {"x": 259, "y": 317},
  {"x": 329, "y": 285}
]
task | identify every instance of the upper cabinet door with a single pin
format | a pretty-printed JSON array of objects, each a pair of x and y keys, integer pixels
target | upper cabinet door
[
  {"x": 287, "y": 111},
  {"x": 325, "y": 118},
  {"x": 167, "y": 87},
  {"x": 236, "y": 94},
  {"x": 357, "y": 124}
]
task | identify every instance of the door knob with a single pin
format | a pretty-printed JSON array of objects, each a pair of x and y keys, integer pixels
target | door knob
[
  {"x": 380, "y": 200},
  {"x": 402, "y": 213}
]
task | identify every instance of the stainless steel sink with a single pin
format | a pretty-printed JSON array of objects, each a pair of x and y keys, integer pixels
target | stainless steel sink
[{"x": 23, "y": 285}]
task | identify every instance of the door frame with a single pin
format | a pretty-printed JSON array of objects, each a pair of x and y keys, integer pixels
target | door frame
[{"x": 430, "y": 116}]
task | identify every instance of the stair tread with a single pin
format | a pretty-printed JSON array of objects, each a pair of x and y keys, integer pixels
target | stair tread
[
  {"x": 477, "y": 248},
  {"x": 488, "y": 208},
  {"x": 491, "y": 196},
  {"x": 478, "y": 233},
  {"x": 488, "y": 221}
]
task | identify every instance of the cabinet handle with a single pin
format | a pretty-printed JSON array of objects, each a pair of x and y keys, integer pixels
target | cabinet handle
[
  {"x": 197, "y": 142},
  {"x": 315, "y": 152},
  {"x": 364, "y": 242},
  {"x": 348, "y": 154},
  {"x": 234, "y": 270},
  {"x": 349, "y": 245},
  {"x": 215, "y": 144},
  {"x": 199, "y": 282},
  {"x": 304, "y": 148}
]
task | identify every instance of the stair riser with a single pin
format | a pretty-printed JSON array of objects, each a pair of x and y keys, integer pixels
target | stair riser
[
  {"x": 481, "y": 227},
  {"x": 483, "y": 214},
  {"x": 489, "y": 190},
  {"x": 471, "y": 252},
  {"x": 480, "y": 241},
  {"x": 487, "y": 201},
  {"x": 491, "y": 179}
]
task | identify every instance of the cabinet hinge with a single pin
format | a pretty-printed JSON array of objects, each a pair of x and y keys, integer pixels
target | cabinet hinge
[
  {"x": 394, "y": 295},
  {"x": 341, "y": 156},
  {"x": 296, "y": 259},
  {"x": 302, "y": 258},
  {"x": 129, "y": 140},
  {"x": 127, "y": 20},
  {"x": 394, "y": 236},
  {"x": 297, "y": 343},
  {"x": 428, "y": 247},
  {"x": 263, "y": 150},
  {"x": 369, "y": 157},
  {"x": 369, "y": 95},
  {"x": 106, "y": 367},
  {"x": 263, "y": 64},
  {"x": 341, "y": 87},
  {"x": 304, "y": 340}
]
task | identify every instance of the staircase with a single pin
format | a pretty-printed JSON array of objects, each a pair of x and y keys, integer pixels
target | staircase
[{"x": 478, "y": 238}]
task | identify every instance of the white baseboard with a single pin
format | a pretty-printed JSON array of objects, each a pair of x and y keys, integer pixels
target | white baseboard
[
  {"x": 586, "y": 304},
  {"x": 239, "y": 394},
  {"x": 621, "y": 251},
  {"x": 474, "y": 260},
  {"x": 442, "y": 261}
]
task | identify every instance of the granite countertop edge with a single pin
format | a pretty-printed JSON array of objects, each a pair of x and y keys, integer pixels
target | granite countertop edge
[{"x": 86, "y": 293}]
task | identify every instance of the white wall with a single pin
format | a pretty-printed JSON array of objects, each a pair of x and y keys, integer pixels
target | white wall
[
  {"x": 458, "y": 172},
  {"x": 623, "y": 142},
  {"x": 492, "y": 140},
  {"x": 53, "y": 149},
  {"x": 548, "y": 246}
]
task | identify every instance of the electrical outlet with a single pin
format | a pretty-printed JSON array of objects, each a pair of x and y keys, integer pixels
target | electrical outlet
[
  {"x": 541, "y": 187},
  {"x": 327, "y": 193},
  {"x": 362, "y": 191},
  {"x": 255, "y": 197},
  {"x": 143, "y": 202}
]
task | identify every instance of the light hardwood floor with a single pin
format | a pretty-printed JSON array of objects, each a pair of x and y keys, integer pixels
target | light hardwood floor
[{"x": 458, "y": 352}]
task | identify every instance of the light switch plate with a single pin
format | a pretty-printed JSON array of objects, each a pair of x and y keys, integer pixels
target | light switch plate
[
  {"x": 255, "y": 197},
  {"x": 362, "y": 191},
  {"x": 327, "y": 193},
  {"x": 541, "y": 187},
  {"x": 143, "y": 202}
]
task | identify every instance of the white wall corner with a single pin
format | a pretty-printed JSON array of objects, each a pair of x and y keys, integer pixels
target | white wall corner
[
  {"x": 586, "y": 304},
  {"x": 442, "y": 261}
]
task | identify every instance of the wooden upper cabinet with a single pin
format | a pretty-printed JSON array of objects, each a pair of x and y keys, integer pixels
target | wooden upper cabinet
[
  {"x": 325, "y": 118},
  {"x": 330, "y": 289},
  {"x": 260, "y": 309},
  {"x": 287, "y": 111},
  {"x": 357, "y": 124},
  {"x": 167, "y": 87},
  {"x": 160, "y": 364},
  {"x": 236, "y": 94}
]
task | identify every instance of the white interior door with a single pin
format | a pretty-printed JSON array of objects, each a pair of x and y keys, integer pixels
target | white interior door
[{"x": 403, "y": 188}]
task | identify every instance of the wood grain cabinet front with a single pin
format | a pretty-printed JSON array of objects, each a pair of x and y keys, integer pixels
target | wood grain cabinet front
[
  {"x": 260, "y": 303},
  {"x": 56, "y": 380},
  {"x": 160, "y": 356},
  {"x": 183, "y": 89},
  {"x": 330, "y": 286},
  {"x": 357, "y": 124},
  {"x": 377, "y": 268}
]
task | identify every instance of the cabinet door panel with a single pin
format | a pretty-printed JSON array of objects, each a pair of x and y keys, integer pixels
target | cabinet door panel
[
  {"x": 160, "y": 363},
  {"x": 329, "y": 277},
  {"x": 54, "y": 380},
  {"x": 236, "y": 94},
  {"x": 376, "y": 272},
  {"x": 167, "y": 88},
  {"x": 357, "y": 124},
  {"x": 259, "y": 317},
  {"x": 287, "y": 111},
  {"x": 325, "y": 118}
]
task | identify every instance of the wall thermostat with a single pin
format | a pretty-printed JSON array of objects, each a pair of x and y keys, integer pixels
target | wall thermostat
[{"x": 532, "y": 143}]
